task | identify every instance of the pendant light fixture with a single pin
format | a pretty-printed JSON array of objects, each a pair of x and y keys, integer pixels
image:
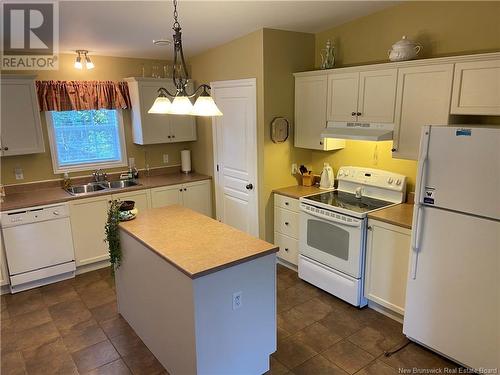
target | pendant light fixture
[
  {"x": 181, "y": 103},
  {"x": 78, "y": 61}
]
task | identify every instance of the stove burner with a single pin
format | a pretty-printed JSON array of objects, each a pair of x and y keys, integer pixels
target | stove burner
[{"x": 348, "y": 201}]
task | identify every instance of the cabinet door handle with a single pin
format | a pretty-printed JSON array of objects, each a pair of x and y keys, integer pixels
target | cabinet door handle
[
  {"x": 286, "y": 203},
  {"x": 353, "y": 113},
  {"x": 180, "y": 189},
  {"x": 169, "y": 137},
  {"x": 286, "y": 222},
  {"x": 286, "y": 249},
  {"x": 321, "y": 143},
  {"x": 5, "y": 148},
  {"x": 370, "y": 227},
  {"x": 185, "y": 189},
  {"x": 173, "y": 136},
  {"x": 358, "y": 114},
  {"x": 249, "y": 187},
  {"x": 394, "y": 149}
]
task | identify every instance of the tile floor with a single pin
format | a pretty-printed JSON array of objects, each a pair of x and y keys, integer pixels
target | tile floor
[{"x": 73, "y": 327}]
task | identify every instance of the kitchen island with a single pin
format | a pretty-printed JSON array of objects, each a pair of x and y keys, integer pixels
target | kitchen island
[{"x": 200, "y": 294}]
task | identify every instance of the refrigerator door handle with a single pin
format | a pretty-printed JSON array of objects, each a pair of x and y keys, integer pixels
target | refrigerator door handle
[
  {"x": 422, "y": 163},
  {"x": 416, "y": 241}
]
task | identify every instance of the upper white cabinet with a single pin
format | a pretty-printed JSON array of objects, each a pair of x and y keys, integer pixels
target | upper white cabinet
[
  {"x": 476, "y": 88},
  {"x": 21, "y": 131},
  {"x": 423, "y": 98},
  {"x": 387, "y": 259},
  {"x": 367, "y": 96},
  {"x": 154, "y": 128},
  {"x": 343, "y": 96},
  {"x": 310, "y": 114}
]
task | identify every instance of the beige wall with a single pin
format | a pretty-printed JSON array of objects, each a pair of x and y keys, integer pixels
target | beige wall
[
  {"x": 238, "y": 59},
  {"x": 444, "y": 28},
  {"x": 271, "y": 56},
  {"x": 39, "y": 166},
  {"x": 284, "y": 53}
]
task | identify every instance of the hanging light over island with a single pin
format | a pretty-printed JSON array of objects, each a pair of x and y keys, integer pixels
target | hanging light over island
[{"x": 181, "y": 103}]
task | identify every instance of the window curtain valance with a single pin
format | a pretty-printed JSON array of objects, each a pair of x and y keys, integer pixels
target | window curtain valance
[{"x": 82, "y": 95}]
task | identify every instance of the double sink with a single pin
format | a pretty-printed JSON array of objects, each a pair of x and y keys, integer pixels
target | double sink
[{"x": 93, "y": 187}]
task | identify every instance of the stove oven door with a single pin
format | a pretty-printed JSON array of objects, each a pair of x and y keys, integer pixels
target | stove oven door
[{"x": 332, "y": 239}]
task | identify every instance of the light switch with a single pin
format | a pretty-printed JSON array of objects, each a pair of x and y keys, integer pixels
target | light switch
[{"x": 19, "y": 173}]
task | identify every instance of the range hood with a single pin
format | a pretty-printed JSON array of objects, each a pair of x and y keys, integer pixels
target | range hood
[{"x": 358, "y": 131}]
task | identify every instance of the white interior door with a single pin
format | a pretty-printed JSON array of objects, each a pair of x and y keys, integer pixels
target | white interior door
[{"x": 235, "y": 154}]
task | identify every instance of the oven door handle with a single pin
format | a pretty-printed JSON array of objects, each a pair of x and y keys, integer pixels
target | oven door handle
[{"x": 333, "y": 220}]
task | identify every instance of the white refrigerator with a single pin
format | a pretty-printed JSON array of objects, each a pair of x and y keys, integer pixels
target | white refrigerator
[{"x": 453, "y": 293}]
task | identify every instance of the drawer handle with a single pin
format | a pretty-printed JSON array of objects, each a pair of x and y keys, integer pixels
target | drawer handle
[
  {"x": 286, "y": 249},
  {"x": 286, "y": 222}
]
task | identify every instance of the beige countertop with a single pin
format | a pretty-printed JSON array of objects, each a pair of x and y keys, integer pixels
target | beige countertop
[
  {"x": 401, "y": 215},
  {"x": 298, "y": 191},
  {"x": 29, "y": 196},
  {"x": 194, "y": 243}
]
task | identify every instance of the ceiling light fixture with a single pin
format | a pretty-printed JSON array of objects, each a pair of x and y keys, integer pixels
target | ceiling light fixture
[
  {"x": 181, "y": 104},
  {"x": 78, "y": 61}
]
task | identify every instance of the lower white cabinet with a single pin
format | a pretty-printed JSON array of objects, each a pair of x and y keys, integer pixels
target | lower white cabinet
[
  {"x": 387, "y": 261},
  {"x": 142, "y": 198},
  {"x": 286, "y": 228},
  {"x": 194, "y": 195},
  {"x": 88, "y": 218}
]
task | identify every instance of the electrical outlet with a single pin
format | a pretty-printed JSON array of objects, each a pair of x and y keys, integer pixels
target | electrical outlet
[
  {"x": 294, "y": 168},
  {"x": 237, "y": 300},
  {"x": 131, "y": 162},
  {"x": 19, "y": 173},
  {"x": 165, "y": 158}
]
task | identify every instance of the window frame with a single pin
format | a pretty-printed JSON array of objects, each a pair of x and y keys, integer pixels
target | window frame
[{"x": 86, "y": 166}]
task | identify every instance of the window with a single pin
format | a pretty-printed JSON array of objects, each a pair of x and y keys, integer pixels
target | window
[{"x": 85, "y": 140}]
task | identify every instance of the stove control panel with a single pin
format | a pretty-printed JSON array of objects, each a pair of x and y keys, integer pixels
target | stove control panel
[{"x": 372, "y": 177}]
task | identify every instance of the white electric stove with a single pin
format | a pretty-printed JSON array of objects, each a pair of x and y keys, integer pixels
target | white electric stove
[{"x": 333, "y": 229}]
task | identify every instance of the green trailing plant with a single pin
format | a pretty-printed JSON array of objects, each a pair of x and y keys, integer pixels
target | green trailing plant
[{"x": 112, "y": 235}]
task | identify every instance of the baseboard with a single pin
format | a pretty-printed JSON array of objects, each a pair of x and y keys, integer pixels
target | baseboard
[
  {"x": 286, "y": 264},
  {"x": 92, "y": 266},
  {"x": 385, "y": 311}
]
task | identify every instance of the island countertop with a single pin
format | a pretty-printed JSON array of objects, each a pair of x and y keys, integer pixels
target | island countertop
[{"x": 194, "y": 243}]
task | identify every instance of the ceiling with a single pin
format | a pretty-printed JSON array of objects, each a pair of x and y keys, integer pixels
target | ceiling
[{"x": 127, "y": 28}]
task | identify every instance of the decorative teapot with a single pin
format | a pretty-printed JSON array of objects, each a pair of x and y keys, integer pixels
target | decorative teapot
[{"x": 404, "y": 50}]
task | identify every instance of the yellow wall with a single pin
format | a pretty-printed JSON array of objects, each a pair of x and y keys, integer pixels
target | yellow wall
[
  {"x": 285, "y": 52},
  {"x": 39, "y": 166},
  {"x": 443, "y": 28}
]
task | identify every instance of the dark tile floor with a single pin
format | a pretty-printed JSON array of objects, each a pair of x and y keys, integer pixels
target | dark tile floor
[{"x": 73, "y": 327}]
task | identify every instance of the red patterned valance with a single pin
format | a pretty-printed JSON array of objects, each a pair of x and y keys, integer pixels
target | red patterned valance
[{"x": 82, "y": 95}]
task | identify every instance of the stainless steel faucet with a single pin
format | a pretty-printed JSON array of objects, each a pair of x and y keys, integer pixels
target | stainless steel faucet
[{"x": 100, "y": 175}]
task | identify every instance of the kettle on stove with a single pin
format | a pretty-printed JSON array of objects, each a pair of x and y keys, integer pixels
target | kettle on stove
[{"x": 327, "y": 177}]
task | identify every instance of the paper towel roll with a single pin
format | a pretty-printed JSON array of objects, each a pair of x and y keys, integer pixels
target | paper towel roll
[{"x": 186, "y": 161}]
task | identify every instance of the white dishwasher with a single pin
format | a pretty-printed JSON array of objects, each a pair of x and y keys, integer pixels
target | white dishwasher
[{"x": 38, "y": 246}]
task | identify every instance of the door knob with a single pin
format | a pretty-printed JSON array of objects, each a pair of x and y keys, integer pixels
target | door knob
[{"x": 249, "y": 187}]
